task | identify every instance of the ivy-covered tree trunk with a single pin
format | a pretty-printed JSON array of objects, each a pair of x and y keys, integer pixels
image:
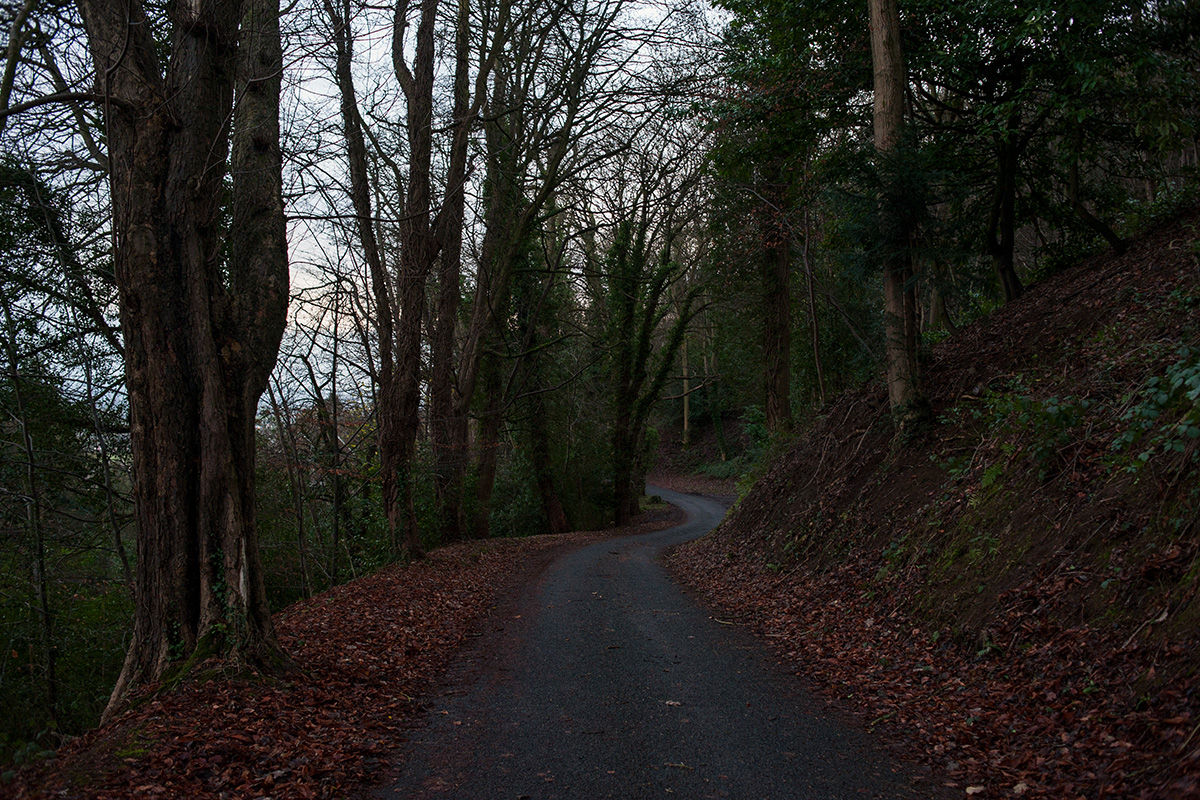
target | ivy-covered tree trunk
[
  {"x": 777, "y": 318},
  {"x": 489, "y": 444},
  {"x": 624, "y": 274},
  {"x": 638, "y": 304},
  {"x": 201, "y": 317}
]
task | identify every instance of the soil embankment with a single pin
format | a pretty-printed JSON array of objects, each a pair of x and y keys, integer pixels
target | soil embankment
[{"x": 1011, "y": 594}]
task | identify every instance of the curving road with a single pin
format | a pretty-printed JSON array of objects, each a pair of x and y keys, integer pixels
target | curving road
[{"x": 606, "y": 681}]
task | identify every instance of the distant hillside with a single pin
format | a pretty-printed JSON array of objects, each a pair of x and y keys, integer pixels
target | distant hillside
[{"x": 1033, "y": 553}]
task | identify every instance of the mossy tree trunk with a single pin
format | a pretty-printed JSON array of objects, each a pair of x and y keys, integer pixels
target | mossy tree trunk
[
  {"x": 776, "y": 273},
  {"x": 638, "y": 296}
]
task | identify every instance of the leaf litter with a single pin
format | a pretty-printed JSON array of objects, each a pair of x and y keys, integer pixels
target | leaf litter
[{"x": 368, "y": 652}]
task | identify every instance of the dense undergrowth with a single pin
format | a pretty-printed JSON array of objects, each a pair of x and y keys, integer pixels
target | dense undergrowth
[{"x": 1038, "y": 539}]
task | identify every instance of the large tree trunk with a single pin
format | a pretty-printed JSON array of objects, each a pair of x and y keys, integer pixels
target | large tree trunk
[
  {"x": 625, "y": 495},
  {"x": 507, "y": 224},
  {"x": 481, "y": 361},
  {"x": 939, "y": 313},
  {"x": 625, "y": 273},
  {"x": 447, "y": 427},
  {"x": 413, "y": 272},
  {"x": 201, "y": 329},
  {"x": 637, "y": 291},
  {"x": 904, "y": 391}
]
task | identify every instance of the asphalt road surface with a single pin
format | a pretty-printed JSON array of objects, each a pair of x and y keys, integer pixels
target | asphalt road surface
[{"x": 604, "y": 680}]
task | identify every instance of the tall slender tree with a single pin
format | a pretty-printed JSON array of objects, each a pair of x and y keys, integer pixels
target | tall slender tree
[{"x": 904, "y": 390}]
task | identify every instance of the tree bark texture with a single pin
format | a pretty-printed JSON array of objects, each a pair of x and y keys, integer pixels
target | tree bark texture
[
  {"x": 485, "y": 333},
  {"x": 939, "y": 314},
  {"x": 202, "y": 328},
  {"x": 638, "y": 300},
  {"x": 624, "y": 275},
  {"x": 510, "y": 217},
  {"x": 489, "y": 445},
  {"x": 528, "y": 135},
  {"x": 899, "y": 297}
]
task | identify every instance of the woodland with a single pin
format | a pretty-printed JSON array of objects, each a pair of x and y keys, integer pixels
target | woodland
[{"x": 297, "y": 297}]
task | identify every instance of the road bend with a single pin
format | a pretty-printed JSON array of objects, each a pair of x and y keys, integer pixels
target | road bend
[{"x": 605, "y": 680}]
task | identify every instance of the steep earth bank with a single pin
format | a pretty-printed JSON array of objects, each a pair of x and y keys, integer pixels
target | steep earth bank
[{"x": 1013, "y": 592}]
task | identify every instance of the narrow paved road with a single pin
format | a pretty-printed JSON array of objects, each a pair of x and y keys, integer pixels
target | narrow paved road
[{"x": 606, "y": 681}]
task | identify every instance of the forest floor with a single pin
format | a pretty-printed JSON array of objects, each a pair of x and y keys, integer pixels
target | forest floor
[
  {"x": 1011, "y": 595},
  {"x": 370, "y": 650}
]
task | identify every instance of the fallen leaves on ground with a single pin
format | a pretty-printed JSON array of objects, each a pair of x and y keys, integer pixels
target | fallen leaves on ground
[
  {"x": 368, "y": 650},
  {"x": 1064, "y": 580},
  {"x": 720, "y": 488},
  {"x": 1041, "y": 710}
]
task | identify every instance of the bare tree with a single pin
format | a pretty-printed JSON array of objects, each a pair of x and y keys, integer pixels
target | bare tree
[
  {"x": 203, "y": 307},
  {"x": 567, "y": 94}
]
